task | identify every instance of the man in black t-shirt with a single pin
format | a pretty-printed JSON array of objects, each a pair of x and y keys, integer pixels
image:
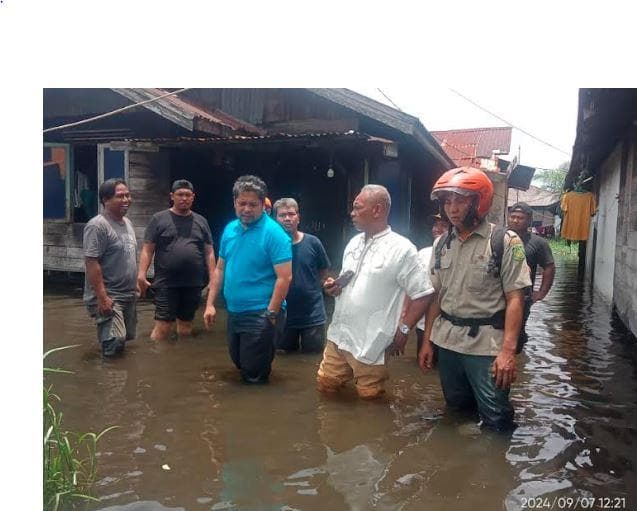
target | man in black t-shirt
[
  {"x": 181, "y": 243},
  {"x": 306, "y": 309},
  {"x": 538, "y": 252}
]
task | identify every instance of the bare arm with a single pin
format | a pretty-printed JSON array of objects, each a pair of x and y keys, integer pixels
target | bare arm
[
  {"x": 403, "y": 312},
  {"x": 323, "y": 274},
  {"x": 209, "y": 253},
  {"x": 216, "y": 281},
  {"x": 145, "y": 258},
  {"x": 503, "y": 368},
  {"x": 413, "y": 310},
  {"x": 96, "y": 280},
  {"x": 548, "y": 274},
  {"x": 283, "y": 278},
  {"x": 425, "y": 355}
]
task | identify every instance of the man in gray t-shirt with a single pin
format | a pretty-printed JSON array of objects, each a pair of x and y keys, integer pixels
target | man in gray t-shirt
[{"x": 110, "y": 284}]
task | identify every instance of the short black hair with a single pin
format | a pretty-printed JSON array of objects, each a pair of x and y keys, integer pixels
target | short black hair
[
  {"x": 107, "y": 188},
  {"x": 250, "y": 183},
  {"x": 182, "y": 183},
  {"x": 522, "y": 207}
]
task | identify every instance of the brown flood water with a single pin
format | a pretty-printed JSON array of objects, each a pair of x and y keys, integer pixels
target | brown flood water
[{"x": 284, "y": 447}]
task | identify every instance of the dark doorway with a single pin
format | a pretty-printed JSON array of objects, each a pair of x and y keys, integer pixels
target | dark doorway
[{"x": 296, "y": 172}]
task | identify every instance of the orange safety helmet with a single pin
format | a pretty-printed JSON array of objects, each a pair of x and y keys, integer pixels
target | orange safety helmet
[{"x": 466, "y": 181}]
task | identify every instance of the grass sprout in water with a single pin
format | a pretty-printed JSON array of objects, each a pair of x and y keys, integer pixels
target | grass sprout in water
[{"x": 69, "y": 462}]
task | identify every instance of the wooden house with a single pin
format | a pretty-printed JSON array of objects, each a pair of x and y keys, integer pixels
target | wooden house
[
  {"x": 605, "y": 162},
  {"x": 319, "y": 146}
]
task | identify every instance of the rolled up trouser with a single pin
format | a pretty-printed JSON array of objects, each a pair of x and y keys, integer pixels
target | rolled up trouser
[
  {"x": 339, "y": 366},
  {"x": 113, "y": 330}
]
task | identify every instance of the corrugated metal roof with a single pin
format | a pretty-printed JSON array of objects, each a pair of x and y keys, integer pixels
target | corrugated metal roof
[
  {"x": 388, "y": 116},
  {"x": 270, "y": 137},
  {"x": 187, "y": 114},
  {"x": 534, "y": 197},
  {"x": 466, "y": 144}
]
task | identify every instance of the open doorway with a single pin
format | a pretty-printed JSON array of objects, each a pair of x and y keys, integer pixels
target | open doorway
[{"x": 84, "y": 193}]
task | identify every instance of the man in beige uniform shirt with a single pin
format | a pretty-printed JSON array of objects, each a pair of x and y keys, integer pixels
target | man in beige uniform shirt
[{"x": 476, "y": 313}]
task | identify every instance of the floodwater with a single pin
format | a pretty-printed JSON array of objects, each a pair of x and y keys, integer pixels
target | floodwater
[{"x": 191, "y": 437}]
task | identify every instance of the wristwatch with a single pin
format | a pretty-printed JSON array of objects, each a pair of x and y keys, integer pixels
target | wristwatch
[
  {"x": 403, "y": 328},
  {"x": 270, "y": 314}
]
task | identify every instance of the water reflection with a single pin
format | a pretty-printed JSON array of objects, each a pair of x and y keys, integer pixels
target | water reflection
[
  {"x": 191, "y": 437},
  {"x": 573, "y": 403}
]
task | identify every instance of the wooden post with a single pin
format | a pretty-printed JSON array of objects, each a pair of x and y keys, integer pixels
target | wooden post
[{"x": 581, "y": 255}]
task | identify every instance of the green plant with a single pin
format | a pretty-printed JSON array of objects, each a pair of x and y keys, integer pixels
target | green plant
[
  {"x": 552, "y": 179},
  {"x": 560, "y": 248},
  {"x": 69, "y": 466}
]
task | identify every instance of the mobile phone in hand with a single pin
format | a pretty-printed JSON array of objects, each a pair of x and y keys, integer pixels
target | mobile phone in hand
[{"x": 344, "y": 278}]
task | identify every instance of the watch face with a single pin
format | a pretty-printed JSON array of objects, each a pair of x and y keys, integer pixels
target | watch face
[{"x": 404, "y": 329}]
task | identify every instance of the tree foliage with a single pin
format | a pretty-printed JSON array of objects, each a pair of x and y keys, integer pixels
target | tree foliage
[{"x": 552, "y": 179}]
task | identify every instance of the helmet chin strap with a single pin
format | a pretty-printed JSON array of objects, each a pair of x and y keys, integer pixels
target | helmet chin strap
[{"x": 472, "y": 219}]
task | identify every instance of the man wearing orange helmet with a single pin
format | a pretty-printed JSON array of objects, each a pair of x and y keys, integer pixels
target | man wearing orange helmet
[{"x": 476, "y": 313}]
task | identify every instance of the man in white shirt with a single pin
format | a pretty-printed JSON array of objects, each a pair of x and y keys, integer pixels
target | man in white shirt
[{"x": 366, "y": 324}]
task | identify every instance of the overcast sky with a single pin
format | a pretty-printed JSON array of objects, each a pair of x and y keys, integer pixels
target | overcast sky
[{"x": 548, "y": 112}]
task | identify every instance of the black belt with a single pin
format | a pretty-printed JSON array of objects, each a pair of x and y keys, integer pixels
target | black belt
[{"x": 496, "y": 321}]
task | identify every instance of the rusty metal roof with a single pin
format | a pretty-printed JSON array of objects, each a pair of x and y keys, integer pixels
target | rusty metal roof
[
  {"x": 270, "y": 137},
  {"x": 464, "y": 145},
  {"x": 188, "y": 115}
]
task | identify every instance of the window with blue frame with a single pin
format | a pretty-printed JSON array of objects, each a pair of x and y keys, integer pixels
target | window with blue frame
[{"x": 72, "y": 174}]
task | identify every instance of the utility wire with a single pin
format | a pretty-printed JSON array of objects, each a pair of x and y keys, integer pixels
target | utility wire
[
  {"x": 447, "y": 143},
  {"x": 389, "y": 99},
  {"x": 114, "y": 112},
  {"x": 508, "y": 123}
]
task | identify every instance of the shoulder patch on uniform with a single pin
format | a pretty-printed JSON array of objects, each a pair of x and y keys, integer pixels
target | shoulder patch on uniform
[
  {"x": 518, "y": 252},
  {"x": 515, "y": 240}
]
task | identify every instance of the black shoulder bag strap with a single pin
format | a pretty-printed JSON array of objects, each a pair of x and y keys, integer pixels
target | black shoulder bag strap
[{"x": 444, "y": 239}]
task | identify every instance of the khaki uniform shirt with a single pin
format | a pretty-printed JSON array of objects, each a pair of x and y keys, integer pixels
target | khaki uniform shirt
[{"x": 466, "y": 289}]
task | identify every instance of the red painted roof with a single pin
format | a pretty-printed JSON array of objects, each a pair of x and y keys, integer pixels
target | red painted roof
[{"x": 463, "y": 146}]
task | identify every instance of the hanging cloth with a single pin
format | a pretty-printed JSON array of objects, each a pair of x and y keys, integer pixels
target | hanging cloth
[{"x": 577, "y": 209}]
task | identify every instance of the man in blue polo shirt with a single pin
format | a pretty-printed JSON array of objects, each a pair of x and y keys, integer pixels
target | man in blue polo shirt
[{"x": 255, "y": 269}]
